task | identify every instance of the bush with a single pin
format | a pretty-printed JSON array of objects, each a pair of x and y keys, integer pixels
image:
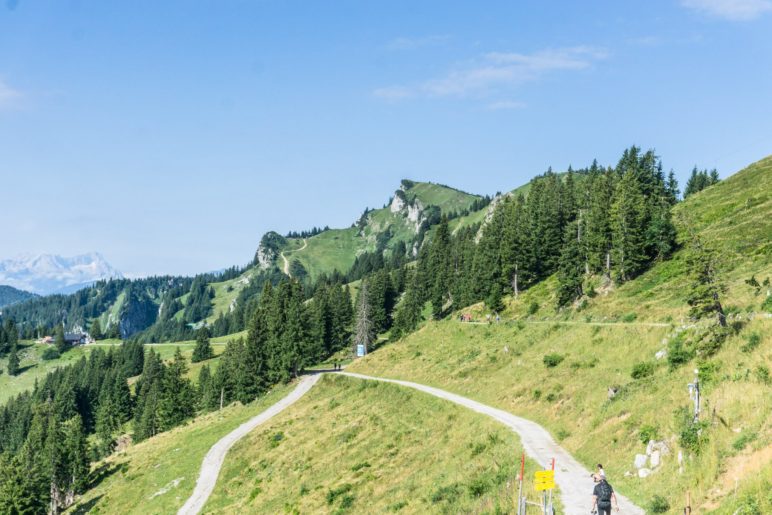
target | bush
[
  {"x": 50, "y": 353},
  {"x": 767, "y": 304},
  {"x": 751, "y": 342},
  {"x": 647, "y": 432},
  {"x": 334, "y": 493},
  {"x": 762, "y": 374},
  {"x": 641, "y": 370},
  {"x": 533, "y": 307},
  {"x": 659, "y": 504},
  {"x": 692, "y": 435},
  {"x": 743, "y": 440},
  {"x": 630, "y": 317},
  {"x": 553, "y": 360},
  {"x": 677, "y": 353}
]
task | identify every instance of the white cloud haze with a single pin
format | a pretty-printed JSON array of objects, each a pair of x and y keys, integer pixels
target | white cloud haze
[
  {"x": 734, "y": 10},
  {"x": 497, "y": 71}
]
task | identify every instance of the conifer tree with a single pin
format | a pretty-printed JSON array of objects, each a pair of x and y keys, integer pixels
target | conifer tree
[
  {"x": 177, "y": 398},
  {"x": 571, "y": 267},
  {"x": 627, "y": 228},
  {"x": 59, "y": 341},
  {"x": 706, "y": 287},
  {"x": 96, "y": 330},
  {"x": 23, "y": 490},
  {"x": 440, "y": 268},
  {"x": 203, "y": 349},
  {"x": 13, "y": 361}
]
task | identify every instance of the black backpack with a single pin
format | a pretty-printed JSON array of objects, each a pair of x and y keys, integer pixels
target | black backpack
[{"x": 605, "y": 492}]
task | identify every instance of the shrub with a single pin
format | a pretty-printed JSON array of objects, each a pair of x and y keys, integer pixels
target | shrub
[
  {"x": 762, "y": 374},
  {"x": 648, "y": 432},
  {"x": 533, "y": 307},
  {"x": 446, "y": 493},
  {"x": 692, "y": 435},
  {"x": 641, "y": 370},
  {"x": 659, "y": 504},
  {"x": 562, "y": 434},
  {"x": 276, "y": 438},
  {"x": 630, "y": 317},
  {"x": 537, "y": 394},
  {"x": 751, "y": 342},
  {"x": 553, "y": 360},
  {"x": 708, "y": 371},
  {"x": 767, "y": 304},
  {"x": 50, "y": 353},
  {"x": 743, "y": 440},
  {"x": 551, "y": 397},
  {"x": 677, "y": 353},
  {"x": 334, "y": 493}
]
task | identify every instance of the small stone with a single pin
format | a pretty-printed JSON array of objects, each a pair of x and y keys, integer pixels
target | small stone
[
  {"x": 640, "y": 461},
  {"x": 642, "y": 473},
  {"x": 628, "y": 474},
  {"x": 650, "y": 447},
  {"x": 654, "y": 459},
  {"x": 661, "y": 354}
]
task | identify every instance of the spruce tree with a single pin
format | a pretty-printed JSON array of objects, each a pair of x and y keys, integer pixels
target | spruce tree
[
  {"x": 59, "y": 341},
  {"x": 96, "y": 330},
  {"x": 627, "y": 228},
  {"x": 203, "y": 349},
  {"x": 571, "y": 267},
  {"x": 13, "y": 361},
  {"x": 707, "y": 287}
]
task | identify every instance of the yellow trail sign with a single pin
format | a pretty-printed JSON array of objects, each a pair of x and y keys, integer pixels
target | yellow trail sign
[{"x": 544, "y": 480}]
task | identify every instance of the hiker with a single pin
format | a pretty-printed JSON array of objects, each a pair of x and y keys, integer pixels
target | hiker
[
  {"x": 602, "y": 495},
  {"x": 601, "y": 472}
]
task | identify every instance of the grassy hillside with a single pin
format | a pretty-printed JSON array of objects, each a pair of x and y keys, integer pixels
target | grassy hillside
[
  {"x": 157, "y": 475},
  {"x": 337, "y": 248},
  {"x": 346, "y": 448},
  {"x": 598, "y": 344}
]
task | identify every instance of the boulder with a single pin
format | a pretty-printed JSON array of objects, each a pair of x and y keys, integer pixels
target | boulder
[
  {"x": 650, "y": 447},
  {"x": 642, "y": 473},
  {"x": 654, "y": 459},
  {"x": 640, "y": 461},
  {"x": 661, "y": 354}
]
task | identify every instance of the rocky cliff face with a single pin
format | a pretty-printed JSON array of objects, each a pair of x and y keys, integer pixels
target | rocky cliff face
[{"x": 268, "y": 250}]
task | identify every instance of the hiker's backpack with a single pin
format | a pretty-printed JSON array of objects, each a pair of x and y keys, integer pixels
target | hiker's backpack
[{"x": 605, "y": 492}]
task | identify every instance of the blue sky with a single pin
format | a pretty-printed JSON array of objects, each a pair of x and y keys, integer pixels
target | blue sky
[{"x": 171, "y": 135}]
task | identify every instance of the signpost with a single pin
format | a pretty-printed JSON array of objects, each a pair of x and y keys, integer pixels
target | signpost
[
  {"x": 360, "y": 350},
  {"x": 544, "y": 480}
]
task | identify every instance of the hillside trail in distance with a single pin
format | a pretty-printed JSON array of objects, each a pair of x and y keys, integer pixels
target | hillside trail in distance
[{"x": 286, "y": 261}]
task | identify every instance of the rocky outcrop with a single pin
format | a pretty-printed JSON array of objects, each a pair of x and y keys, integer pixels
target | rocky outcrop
[{"x": 268, "y": 249}]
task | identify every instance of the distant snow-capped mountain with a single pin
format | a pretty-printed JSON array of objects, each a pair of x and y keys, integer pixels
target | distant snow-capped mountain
[{"x": 48, "y": 273}]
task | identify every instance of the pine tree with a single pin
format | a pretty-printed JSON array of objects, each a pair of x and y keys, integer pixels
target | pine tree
[
  {"x": 571, "y": 267},
  {"x": 23, "y": 490},
  {"x": 96, "y": 330},
  {"x": 177, "y": 398},
  {"x": 627, "y": 228},
  {"x": 440, "y": 268},
  {"x": 13, "y": 361},
  {"x": 706, "y": 287},
  {"x": 59, "y": 341},
  {"x": 203, "y": 349}
]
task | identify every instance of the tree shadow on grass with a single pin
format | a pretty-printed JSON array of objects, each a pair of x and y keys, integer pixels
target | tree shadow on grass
[
  {"x": 104, "y": 471},
  {"x": 83, "y": 509}
]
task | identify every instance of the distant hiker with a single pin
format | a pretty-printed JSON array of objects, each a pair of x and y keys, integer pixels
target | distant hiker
[
  {"x": 602, "y": 495},
  {"x": 601, "y": 472}
]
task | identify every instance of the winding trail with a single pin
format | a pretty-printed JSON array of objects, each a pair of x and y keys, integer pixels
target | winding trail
[
  {"x": 286, "y": 261},
  {"x": 572, "y": 478},
  {"x": 210, "y": 468}
]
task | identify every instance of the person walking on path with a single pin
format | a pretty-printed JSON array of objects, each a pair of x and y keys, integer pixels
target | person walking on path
[
  {"x": 601, "y": 472},
  {"x": 602, "y": 495}
]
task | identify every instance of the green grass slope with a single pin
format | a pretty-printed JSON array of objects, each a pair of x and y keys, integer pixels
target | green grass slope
[
  {"x": 337, "y": 248},
  {"x": 352, "y": 446}
]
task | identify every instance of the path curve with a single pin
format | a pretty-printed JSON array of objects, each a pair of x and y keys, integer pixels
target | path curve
[
  {"x": 574, "y": 480},
  {"x": 210, "y": 468},
  {"x": 286, "y": 261}
]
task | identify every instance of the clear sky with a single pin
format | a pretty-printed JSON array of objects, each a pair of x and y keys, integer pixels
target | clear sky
[{"x": 169, "y": 136}]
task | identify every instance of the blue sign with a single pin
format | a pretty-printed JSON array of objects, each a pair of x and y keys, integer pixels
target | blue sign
[{"x": 360, "y": 350}]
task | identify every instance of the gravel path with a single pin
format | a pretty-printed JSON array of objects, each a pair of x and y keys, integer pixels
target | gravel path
[
  {"x": 286, "y": 261},
  {"x": 210, "y": 468},
  {"x": 574, "y": 480}
]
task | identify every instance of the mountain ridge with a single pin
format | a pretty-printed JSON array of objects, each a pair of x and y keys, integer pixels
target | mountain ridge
[{"x": 46, "y": 274}]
